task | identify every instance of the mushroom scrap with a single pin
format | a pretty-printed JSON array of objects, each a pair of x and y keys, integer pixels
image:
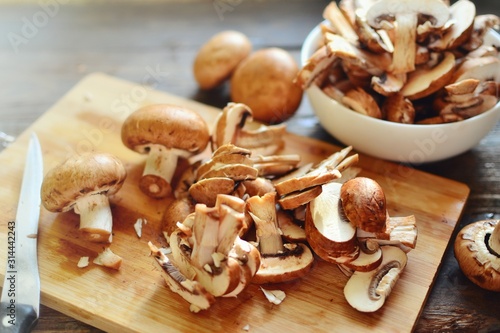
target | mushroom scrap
[
  {"x": 165, "y": 133},
  {"x": 83, "y": 183},
  {"x": 477, "y": 250},
  {"x": 389, "y": 58}
]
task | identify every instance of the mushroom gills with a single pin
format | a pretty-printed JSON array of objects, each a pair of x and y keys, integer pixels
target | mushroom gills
[{"x": 368, "y": 291}]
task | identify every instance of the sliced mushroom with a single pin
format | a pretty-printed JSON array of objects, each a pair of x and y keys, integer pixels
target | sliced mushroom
[
  {"x": 362, "y": 102},
  {"x": 83, "y": 183},
  {"x": 329, "y": 233},
  {"x": 423, "y": 81},
  {"x": 398, "y": 109},
  {"x": 482, "y": 24},
  {"x": 462, "y": 14},
  {"x": 192, "y": 291},
  {"x": 204, "y": 253},
  {"x": 280, "y": 262},
  {"x": 234, "y": 125},
  {"x": 368, "y": 291},
  {"x": 406, "y": 15},
  {"x": 483, "y": 69},
  {"x": 165, "y": 133},
  {"x": 175, "y": 213},
  {"x": 477, "y": 250},
  {"x": 339, "y": 23},
  {"x": 365, "y": 262},
  {"x": 326, "y": 171},
  {"x": 399, "y": 231}
]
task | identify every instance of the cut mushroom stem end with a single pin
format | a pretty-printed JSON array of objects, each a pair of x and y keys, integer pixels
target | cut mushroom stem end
[{"x": 159, "y": 169}]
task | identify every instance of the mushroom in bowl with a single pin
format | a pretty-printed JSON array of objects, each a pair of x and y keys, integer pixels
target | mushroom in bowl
[{"x": 440, "y": 105}]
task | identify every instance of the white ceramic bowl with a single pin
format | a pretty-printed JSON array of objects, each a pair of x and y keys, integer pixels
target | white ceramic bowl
[{"x": 408, "y": 143}]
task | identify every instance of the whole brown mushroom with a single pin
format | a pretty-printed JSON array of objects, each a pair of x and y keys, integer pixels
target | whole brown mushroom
[
  {"x": 165, "y": 133},
  {"x": 83, "y": 183},
  {"x": 477, "y": 250},
  {"x": 218, "y": 57},
  {"x": 264, "y": 82}
]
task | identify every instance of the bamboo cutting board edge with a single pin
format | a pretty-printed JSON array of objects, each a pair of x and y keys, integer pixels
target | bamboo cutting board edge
[{"x": 112, "y": 90}]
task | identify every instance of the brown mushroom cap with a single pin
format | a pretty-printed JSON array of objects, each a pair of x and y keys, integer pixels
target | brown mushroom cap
[
  {"x": 218, "y": 57},
  {"x": 81, "y": 175},
  {"x": 168, "y": 125}
]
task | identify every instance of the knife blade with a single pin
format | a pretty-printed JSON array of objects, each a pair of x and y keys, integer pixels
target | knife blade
[{"x": 20, "y": 299}]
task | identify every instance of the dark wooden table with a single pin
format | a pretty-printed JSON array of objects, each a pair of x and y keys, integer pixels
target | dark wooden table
[{"x": 48, "y": 46}]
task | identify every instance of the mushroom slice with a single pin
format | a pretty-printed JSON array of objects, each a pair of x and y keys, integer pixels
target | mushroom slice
[
  {"x": 320, "y": 62},
  {"x": 399, "y": 231},
  {"x": 279, "y": 262},
  {"x": 365, "y": 262},
  {"x": 83, "y": 183},
  {"x": 406, "y": 15},
  {"x": 388, "y": 84},
  {"x": 364, "y": 204},
  {"x": 368, "y": 291},
  {"x": 424, "y": 82},
  {"x": 186, "y": 179},
  {"x": 206, "y": 190},
  {"x": 165, "y": 133},
  {"x": 340, "y": 24},
  {"x": 374, "y": 64},
  {"x": 328, "y": 170},
  {"x": 192, "y": 291},
  {"x": 275, "y": 165},
  {"x": 328, "y": 231},
  {"x": 362, "y": 102},
  {"x": 477, "y": 250},
  {"x": 482, "y": 24},
  {"x": 176, "y": 213},
  {"x": 399, "y": 109},
  {"x": 205, "y": 254},
  {"x": 299, "y": 198},
  {"x": 483, "y": 69},
  {"x": 462, "y": 14},
  {"x": 290, "y": 230},
  {"x": 234, "y": 125},
  {"x": 375, "y": 40}
]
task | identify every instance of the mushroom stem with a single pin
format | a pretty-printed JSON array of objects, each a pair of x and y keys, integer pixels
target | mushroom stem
[
  {"x": 96, "y": 220},
  {"x": 403, "y": 57},
  {"x": 494, "y": 240},
  {"x": 263, "y": 211},
  {"x": 205, "y": 232},
  {"x": 159, "y": 170}
]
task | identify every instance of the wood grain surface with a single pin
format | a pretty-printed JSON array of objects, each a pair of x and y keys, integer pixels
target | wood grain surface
[{"x": 135, "y": 298}]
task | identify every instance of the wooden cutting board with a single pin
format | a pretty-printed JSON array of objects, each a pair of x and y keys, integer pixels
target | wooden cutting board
[{"x": 135, "y": 298}]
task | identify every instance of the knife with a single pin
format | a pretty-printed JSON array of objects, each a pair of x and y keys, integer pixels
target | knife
[{"x": 20, "y": 300}]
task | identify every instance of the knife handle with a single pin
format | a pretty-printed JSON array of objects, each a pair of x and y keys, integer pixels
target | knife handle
[{"x": 19, "y": 318}]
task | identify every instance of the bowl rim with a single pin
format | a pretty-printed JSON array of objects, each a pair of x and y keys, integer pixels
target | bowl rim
[{"x": 307, "y": 50}]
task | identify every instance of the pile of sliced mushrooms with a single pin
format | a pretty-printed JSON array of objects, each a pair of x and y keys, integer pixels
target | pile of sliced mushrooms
[
  {"x": 406, "y": 62},
  {"x": 244, "y": 213},
  {"x": 241, "y": 211}
]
